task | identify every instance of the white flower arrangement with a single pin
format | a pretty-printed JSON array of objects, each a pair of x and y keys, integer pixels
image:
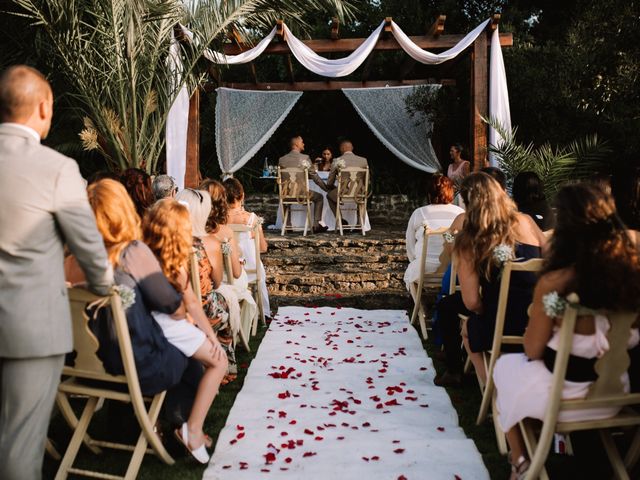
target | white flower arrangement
[
  {"x": 259, "y": 220},
  {"x": 226, "y": 248},
  {"x": 554, "y": 305},
  {"x": 127, "y": 296},
  {"x": 340, "y": 164},
  {"x": 449, "y": 236},
  {"x": 306, "y": 164},
  {"x": 502, "y": 254}
]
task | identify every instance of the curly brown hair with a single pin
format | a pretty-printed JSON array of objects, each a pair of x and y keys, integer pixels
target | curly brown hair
[
  {"x": 138, "y": 185},
  {"x": 590, "y": 238},
  {"x": 219, "y": 206},
  {"x": 489, "y": 221},
  {"x": 166, "y": 229}
]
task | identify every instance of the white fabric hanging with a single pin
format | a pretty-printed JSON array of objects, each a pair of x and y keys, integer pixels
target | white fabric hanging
[
  {"x": 423, "y": 56},
  {"x": 384, "y": 110},
  {"x": 245, "y": 120},
  {"x": 244, "y": 57},
  {"x": 177, "y": 120},
  {"x": 498, "y": 95},
  {"x": 340, "y": 67}
]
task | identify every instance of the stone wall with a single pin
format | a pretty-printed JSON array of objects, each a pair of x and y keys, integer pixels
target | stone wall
[{"x": 382, "y": 209}]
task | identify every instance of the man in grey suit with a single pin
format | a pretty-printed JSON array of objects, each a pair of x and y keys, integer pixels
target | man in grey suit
[
  {"x": 350, "y": 160},
  {"x": 294, "y": 159},
  {"x": 43, "y": 204}
]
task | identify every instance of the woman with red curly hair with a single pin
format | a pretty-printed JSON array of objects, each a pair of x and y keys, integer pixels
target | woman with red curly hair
[
  {"x": 439, "y": 212},
  {"x": 166, "y": 229}
]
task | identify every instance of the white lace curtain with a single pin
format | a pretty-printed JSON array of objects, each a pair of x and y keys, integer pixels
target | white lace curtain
[
  {"x": 245, "y": 120},
  {"x": 385, "y": 112}
]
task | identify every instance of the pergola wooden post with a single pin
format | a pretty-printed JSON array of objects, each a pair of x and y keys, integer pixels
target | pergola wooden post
[{"x": 434, "y": 39}]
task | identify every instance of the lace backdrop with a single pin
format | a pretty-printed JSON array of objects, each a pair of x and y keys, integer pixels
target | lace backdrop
[
  {"x": 245, "y": 120},
  {"x": 385, "y": 112}
]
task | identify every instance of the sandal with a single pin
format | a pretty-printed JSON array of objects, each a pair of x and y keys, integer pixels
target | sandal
[
  {"x": 200, "y": 453},
  {"x": 519, "y": 468}
]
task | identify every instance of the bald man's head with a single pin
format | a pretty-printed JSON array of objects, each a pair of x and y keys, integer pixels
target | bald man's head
[{"x": 26, "y": 98}]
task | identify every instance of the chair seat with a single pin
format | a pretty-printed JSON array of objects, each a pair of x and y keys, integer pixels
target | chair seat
[{"x": 627, "y": 417}]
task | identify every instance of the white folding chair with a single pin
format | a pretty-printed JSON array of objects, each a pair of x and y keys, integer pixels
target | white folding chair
[
  {"x": 254, "y": 285},
  {"x": 245, "y": 326}
]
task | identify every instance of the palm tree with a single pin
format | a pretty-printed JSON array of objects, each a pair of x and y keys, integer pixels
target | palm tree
[
  {"x": 114, "y": 54},
  {"x": 556, "y": 166}
]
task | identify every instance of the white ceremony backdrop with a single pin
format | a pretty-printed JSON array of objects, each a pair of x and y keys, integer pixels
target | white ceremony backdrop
[{"x": 334, "y": 68}]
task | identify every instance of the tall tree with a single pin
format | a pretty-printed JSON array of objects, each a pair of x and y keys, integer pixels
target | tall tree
[{"x": 114, "y": 53}]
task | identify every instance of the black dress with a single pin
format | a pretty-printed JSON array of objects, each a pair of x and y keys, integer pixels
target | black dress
[{"x": 480, "y": 327}]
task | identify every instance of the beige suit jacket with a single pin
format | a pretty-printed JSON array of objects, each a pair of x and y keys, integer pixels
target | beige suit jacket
[
  {"x": 350, "y": 160},
  {"x": 43, "y": 204},
  {"x": 293, "y": 159}
]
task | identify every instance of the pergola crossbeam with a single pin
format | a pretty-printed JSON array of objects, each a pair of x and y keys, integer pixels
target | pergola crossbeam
[{"x": 329, "y": 85}]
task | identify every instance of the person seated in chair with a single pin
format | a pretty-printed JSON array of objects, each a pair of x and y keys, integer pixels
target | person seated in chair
[
  {"x": 350, "y": 159},
  {"x": 295, "y": 159}
]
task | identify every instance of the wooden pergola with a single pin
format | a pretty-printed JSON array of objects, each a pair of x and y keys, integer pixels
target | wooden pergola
[{"x": 434, "y": 39}]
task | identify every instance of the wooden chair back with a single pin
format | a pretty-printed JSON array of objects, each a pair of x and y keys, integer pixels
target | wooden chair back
[
  {"x": 228, "y": 268},
  {"x": 428, "y": 280},
  {"x": 352, "y": 187},
  {"x": 606, "y": 391},
  {"x": 125, "y": 387},
  {"x": 257, "y": 271},
  {"x": 499, "y": 339},
  {"x": 293, "y": 189}
]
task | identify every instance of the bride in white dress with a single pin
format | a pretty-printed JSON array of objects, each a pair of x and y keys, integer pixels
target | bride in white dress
[{"x": 589, "y": 241}]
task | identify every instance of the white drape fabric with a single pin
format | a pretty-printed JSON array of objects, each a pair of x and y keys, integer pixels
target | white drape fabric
[
  {"x": 339, "y": 67},
  {"x": 423, "y": 56},
  {"x": 384, "y": 110},
  {"x": 245, "y": 120},
  {"x": 244, "y": 57},
  {"x": 177, "y": 120},
  {"x": 498, "y": 95},
  {"x": 236, "y": 154}
]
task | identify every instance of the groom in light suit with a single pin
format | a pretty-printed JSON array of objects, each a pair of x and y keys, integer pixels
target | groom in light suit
[
  {"x": 293, "y": 159},
  {"x": 43, "y": 204},
  {"x": 350, "y": 160}
]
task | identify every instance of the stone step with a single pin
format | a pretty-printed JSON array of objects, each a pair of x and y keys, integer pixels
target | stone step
[
  {"x": 320, "y": 259},
  {"x": 390, "y": 300}
]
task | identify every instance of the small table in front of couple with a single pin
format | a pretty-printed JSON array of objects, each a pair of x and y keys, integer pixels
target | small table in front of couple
[{"x": 298, "y": 212}]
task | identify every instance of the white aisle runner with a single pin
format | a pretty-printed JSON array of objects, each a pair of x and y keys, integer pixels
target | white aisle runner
[{"x": 337, "y": 394}]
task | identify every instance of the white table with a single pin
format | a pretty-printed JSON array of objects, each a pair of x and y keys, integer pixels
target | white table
[{"x": 298, "y": 213}]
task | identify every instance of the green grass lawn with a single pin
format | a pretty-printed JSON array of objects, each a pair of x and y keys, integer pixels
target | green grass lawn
[{"x": 592, "y": 464}]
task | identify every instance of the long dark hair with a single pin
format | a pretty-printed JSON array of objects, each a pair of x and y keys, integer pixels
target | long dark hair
[
  {"x": 527, "y": 189},
  {"x": 590, "y": 238},
  {"x": 138, "y": 185}
]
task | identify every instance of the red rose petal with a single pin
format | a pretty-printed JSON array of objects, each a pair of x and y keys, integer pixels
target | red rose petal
[
  {"x": 366, "y": 459},
  {"x": 240, "y": 435},
  {"x": 288, "y": 460},
  {"x": 226, "y": 467},
  {"x": 319, "y": 438},
  {"x": 309, "y": 454},
  {"x": 308, "y": 432},
  {"x": 269, "y": 458},
  {"x": 399, "y": 450},
  {"x": 440, "y": 429}
]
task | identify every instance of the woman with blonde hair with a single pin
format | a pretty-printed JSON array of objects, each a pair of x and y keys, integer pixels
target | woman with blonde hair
[
  {"x": 493, "y": 230},
  {"x": 160, "y": 365},
  {"x": 220, "y": 303},
  {"x": 166, "y": 229}
]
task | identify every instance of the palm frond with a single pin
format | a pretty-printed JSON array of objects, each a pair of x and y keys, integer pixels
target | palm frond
[{"x": 556, "y": 166}]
